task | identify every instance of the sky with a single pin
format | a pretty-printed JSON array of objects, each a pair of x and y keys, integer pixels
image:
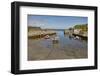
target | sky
[{"x": 55, "y": 22}]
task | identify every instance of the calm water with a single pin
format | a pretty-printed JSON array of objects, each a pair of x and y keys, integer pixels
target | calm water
[
  {"x": 65, "y": 41},
  {"x": 65, "y": 48}
]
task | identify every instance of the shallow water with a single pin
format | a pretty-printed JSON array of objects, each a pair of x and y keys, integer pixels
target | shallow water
[
  {"x": 65, "y": 41},
  {"x": 65, "y": 48}
]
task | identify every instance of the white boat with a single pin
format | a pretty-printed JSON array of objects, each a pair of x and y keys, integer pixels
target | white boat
[
  {"x": 55, "y": 39},
  {"x": 47, "y": 37},
  {"x": 77, "y": 37}
]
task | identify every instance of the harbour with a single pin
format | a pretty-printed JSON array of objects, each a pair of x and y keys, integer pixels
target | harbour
[
  {"x": 64, "y": 47},
  {"x": 57, "y": 37}
]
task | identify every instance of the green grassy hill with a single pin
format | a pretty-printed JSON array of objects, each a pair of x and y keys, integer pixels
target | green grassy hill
[{"x": 83, "y": 27}]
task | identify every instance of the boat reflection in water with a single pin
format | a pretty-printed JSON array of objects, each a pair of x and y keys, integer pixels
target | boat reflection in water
[
  {"x": 71, "y": 36},
  {"x": 57, "y": 46}
]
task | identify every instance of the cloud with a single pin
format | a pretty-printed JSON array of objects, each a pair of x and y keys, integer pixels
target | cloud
[{"x": 37, "y": 23}]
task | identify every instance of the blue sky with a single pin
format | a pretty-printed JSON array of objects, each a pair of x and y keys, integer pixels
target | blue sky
[{"x": 55, "y": 22}]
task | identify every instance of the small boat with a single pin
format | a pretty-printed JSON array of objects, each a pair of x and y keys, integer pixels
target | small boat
[
  {"x": 55, "y": 39},
  {"x": 77, "y": 37},
  {"x": 47, "y": 37}
]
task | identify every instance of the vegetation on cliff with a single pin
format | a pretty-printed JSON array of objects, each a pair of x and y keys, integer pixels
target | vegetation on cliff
[{"x": 83, "y": 27}]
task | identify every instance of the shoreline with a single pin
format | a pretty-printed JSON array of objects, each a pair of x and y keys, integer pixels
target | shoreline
[{"x": 39, "y": 34}]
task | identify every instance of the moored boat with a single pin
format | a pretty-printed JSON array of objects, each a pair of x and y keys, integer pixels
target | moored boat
[
  {"x": 55, "y": 39},
  {"x": 47, "y": 37}
]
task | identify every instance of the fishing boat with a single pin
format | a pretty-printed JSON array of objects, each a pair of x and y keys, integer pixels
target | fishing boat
[
  {"x": 55, "y": 39},
  {"x": 47, "y": 37},
  {"x": 77, "y": 37}
]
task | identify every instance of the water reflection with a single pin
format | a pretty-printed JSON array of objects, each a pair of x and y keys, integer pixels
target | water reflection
[
  {"x": 64, "y": 40},
  {"x": 56, "y": 47}
]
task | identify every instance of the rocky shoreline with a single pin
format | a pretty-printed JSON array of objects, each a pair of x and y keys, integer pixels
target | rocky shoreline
[{"x": 39, "y": 34}]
